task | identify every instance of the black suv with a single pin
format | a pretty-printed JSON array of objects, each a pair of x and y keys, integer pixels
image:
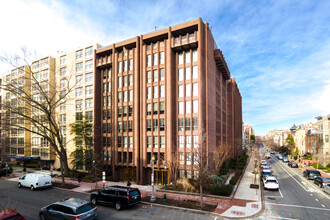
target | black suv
[
  {"x": 119, "y": 196},
  {"x": 311, "y": 174}
]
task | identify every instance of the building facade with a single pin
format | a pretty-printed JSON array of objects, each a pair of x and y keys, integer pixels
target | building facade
[
  {"x": 324, "y": 134},
  {"x": 163, "y": 94}
]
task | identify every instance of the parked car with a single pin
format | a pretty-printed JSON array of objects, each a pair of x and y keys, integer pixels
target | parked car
[
  {"x": 272, "y": 152},
  {"x": 265, "y": 173},
  {"x": 10, "y": 214},
  {"x": 119, "y": 196},
  {"x": 71, "y": 208},
  {"x": 285, "y": 160},
  {"x": 279, "y": 156},
  {"x": 321, "y": 181},
  {"x": 327, "y": 188},
  {"x": 265, "y": 168},
  {"x": 35, "y": 181},
  {"x": 263, "y": 163},
  {"x": 270, "y": 182},
  {"x": 293, "y": 164},
  {"x": 311, "y": 174}
]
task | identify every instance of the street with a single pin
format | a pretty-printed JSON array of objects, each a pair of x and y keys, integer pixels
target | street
[
  {"x": 28, "y": 203},
  {"x": 297, "y": 198}
]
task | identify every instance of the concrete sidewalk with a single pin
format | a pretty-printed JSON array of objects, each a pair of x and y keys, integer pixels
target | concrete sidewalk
[{"x": 244, "y": 201}]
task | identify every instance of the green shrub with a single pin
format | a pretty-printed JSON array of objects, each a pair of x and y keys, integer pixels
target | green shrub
[
  {"x": 233, "y": 181},
  {"x": 223, "y": 171},
  {"x": 239, "y": 170},
  {"x": 295, "y": 157},
  {"x": 319, "y": 166},
  {"x": 224, "y": 190},
  {"x": 328, "y": 166}
]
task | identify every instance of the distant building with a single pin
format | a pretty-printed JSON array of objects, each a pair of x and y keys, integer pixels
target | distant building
[{"x": 324, "y": 133}]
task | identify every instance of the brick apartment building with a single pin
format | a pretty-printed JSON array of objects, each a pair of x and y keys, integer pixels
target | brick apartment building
[{"x": 158, "y": 95}]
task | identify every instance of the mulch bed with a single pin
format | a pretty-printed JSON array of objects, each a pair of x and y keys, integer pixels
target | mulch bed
[
  {"x": 184, "y": 204},
  {"x": 65, "y": 186}
]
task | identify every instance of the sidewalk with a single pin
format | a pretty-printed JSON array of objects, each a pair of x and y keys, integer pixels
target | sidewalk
[{"x": 244, "y": 202}]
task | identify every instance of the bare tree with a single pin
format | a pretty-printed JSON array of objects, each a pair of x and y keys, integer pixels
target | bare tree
[
  {"x": 173, "y": 164},
  {"x": 32, "y": 102}
]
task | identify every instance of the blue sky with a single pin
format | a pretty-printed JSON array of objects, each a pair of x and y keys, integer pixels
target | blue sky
[{"x": 278, "y": 51}]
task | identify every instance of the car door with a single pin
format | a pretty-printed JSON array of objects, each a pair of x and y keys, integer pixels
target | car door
[{"x": 53, "y": 212}]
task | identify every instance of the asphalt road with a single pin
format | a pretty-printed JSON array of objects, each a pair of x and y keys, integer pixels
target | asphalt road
[
  {"x": 28, "y": 203},
  {"x": 298, "y": 198}
]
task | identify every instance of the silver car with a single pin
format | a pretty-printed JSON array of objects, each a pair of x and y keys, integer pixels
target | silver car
[
  {"x": 72, "y": 208},
  {"x": 327, "y": 188}
]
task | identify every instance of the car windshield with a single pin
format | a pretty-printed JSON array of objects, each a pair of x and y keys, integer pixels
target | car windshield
[
  {"x": 271, "y": 181},
  {"x": 133, "y": 193},
  {"x": 84, "y": 209}
]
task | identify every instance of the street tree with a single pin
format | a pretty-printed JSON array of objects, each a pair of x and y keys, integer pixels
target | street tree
[
  {"x": 32, "y": 101},
  {"x": 289, "y": 143}
]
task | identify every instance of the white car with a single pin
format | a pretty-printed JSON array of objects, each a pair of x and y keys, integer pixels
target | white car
[
  {"x": 327, "y": 188},
  {"x": 263, "y": 162},
  {"x": 270, "y": 182},
  {"x": 34, "y": 181}
]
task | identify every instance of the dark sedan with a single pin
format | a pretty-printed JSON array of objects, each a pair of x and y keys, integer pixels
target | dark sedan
[
  {"x": 293, "y": 164},
  {"x": 321, "y": 181}
]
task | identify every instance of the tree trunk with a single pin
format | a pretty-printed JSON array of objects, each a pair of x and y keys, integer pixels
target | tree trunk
[{"x": 62, "y": 174}]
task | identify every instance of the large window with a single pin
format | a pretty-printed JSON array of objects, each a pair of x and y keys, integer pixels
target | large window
[
  {"x": 181, "y": 141},
  {"x": 195, "y": 139},
  {"x": 155, "y": 92},
  {"x": 195, "y": 124},
  {"x": 79, "y": 105},
  {"x": 181, "y": 108},
  {"x": 89, "y": 51},
  {"x": 188, "y": 107},
  {"x": 162, "y": 141},
  {"x": 187, "y": 57},
  {"x": 188, "y": 124},
  {"x": 162, "y": 74},
  {"x": 89, "y": 90},
  {"x": 188, "y": 73},
  {"x": 180, "y": 74},
  {"x": 119, "y": 82},
  {"x": 162, "y": 91},
  {"x": 155, "y": 56},
  {"x": 195, "y": 89},
  {"x": 180, "y": 124},
  {"x": 148, "y": 60},
  {"x": 161, "y": 58},
  {"x": 148, "y": 92},
  {"x": 155, "y": 75},
  {"x": 130, "y": 80},
  {"x": 188, "y": 141},
  {"x": 195, "y": 106},
  {"x": 148, "y": 108},
  {"x": 181, "y": 91},
  {"x": 89, "y": 65},
  {"x": 130, "y": 67},
  {"x": 119, "y": 67},
  {"x": 148, "y": 76},
  {"x": 194, "y": 55},
  {"x": 79, "y": 67},
  {"x": 89, "y": 103},
  {"x": 162, "y": 124},
  {"x": 188, "y": 90},
  {"x": 89, "y": 78},
  {"x": 79, "y": 54},
  {"x": 180, "y": 61},
  {"x": 161, "y": 108},
  {"x": 195, "y": 72},
  {"x": 155, "y": 141}
]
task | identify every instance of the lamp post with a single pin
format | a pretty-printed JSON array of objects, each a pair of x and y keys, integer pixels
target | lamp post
[
  {"x": 153, "y": 198},
  {"x": 165, "y": 175}
]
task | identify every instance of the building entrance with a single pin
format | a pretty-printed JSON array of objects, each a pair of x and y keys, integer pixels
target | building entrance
[{"x": 161, "y": 176}]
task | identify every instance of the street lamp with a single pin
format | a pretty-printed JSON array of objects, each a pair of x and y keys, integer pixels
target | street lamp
[
  {"x": 165, "y": 179},
  {"x": 153, "y": 198}
]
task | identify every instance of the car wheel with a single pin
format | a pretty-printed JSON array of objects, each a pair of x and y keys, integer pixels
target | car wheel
[
  {"x": 19, "y": 185},
  {"x": 32, "y": 187},
  {"x": 320, "y": 185},
  {"x": 94, "y": 201},
  {"x": 118, "y": 206},
  {"x": 42, "y": 217}
]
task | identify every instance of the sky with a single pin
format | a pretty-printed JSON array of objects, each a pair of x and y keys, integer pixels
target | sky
[{"x": 278, "y": 51}]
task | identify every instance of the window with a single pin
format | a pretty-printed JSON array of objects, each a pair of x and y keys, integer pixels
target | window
[
  {"x": 62, "y": 83},
  {"x": 162, "y": 124},
  {"x": 148, "y": 108},
  {"x": 155, "y": 92},
  {"x": 125, "y": 65},
  {"x": 181, "y": 108},
  {"x": 89, "y": 104},
  {"x": 79, "y": 67},
  {"x": 79, "y": 104},
  {"x": 188, "y": 107},
  {"x": 195, "y": 124},
  {"x": 180, "y": 124},
  {"x": 109, "y": 100},
  {"x": 155, "y": 142},
  {"x": 162, "y": 141},
  {"x": 124, "y": 111},
  {"x": 181, "y": 91},
  {"x": 181, "y": 141},
  {"x": 119, "y": 141},
  {"x": 125, "y": 96},
  {"x": 89, "y": 65},
  {"x": 125, "y": 142},
  {"x": 89, "y": 51},
  {"x": 63, "y": 119},
  {"x": 119, "y": 97},
  {"x": 130, "y": 110},
  {"x": 148, "y": 141},
  {"x": 180, "y": 61},
  {"x": 184, "y": 38},
  {"x": 191, "y": 36},
  {"x": 130, "y": 67},
  {"x": 79, "y": 92},
  {"x": 108, "y": 114},
  {"x": 119, "y": 125},
  {"x": 188, "y": 159},
  {"x": 79, "y": 80},
  {"x": 188, "y": 124},
  {"x": 195, "y": 89},
  {"x": 130, "y": 96},
  {"x": 326, "y": 138},
  {"x": 104, "y": 101},
  {"x": 130, "y": 142},
  {"x": 63, "y": 71},
  {"x": 119, "y": 82},
  {"x": 89, "y": 116},
  {"x": 89, "y": 90},
  {"x": 194, "y": 53},
  {"x": 162, "y": 91},
  {"x": 162, "y": 74},
  {"x": 187, "y": 57},
  {"x": 195, "y": 139},
  {"x": 148, "y": 92},
  {"x": 89, "y": 78},
  {"x": 161, "y": 108},
  {"x": 188, "y": 141},
  {"x": 63, "y": 107},
  {"x": 188, "y": 90},
  {"x": 63, "y": 60},
  {"x": 79, "y": 116},
  {"x": 130, "y": 80},
  {"x": 78, "y": 54},
  {"x": 161, "y": 58},
  {"x": 148, "y": 124},
  {"x": 119, "y": 67},
  {"x": 196, "y": 161},
  {"x": 188, "y": 73},
  {"x": 155, "y": 108},
  {"x": 195, "y": 72},
  {"x": 155, "y": 56},
  {"x": 130, "y": 126},
  {"x": 181, "y": 158},
  {"x": 108, "y": 86},
  {"x": 155, "y": 75},
  {"x": 119, "y": 111},
  {"x": 125, "y": 81},
  {"x": 148, "y": 76},
  {"x": 155, "y": 124},
  {"x": 180, "y": 74},
  {"x": 148, "y": 60},
  {"x": 195, "y": 106}
]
